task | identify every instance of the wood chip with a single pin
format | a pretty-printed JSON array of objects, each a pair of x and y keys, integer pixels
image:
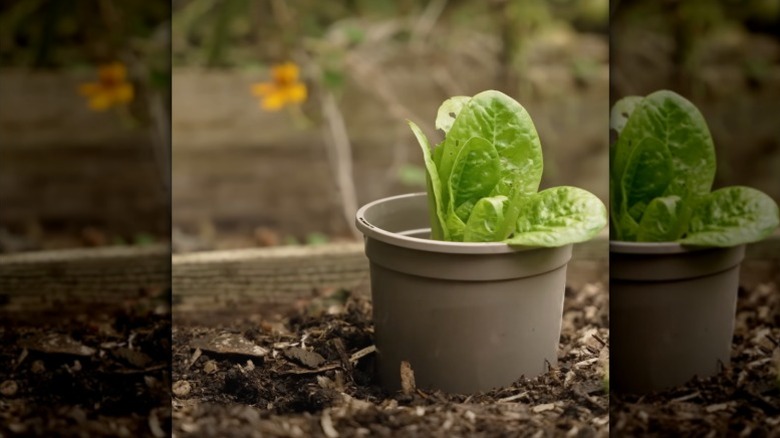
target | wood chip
[
  {"x": 407, "y": 378},
  {"x": 586, "y": 362},
  {"x": 181, "y": 388},
  {"x": 135, "y": 358},
  {"x": 685, "y": 398},
  {"x": 356, "y": 356},
  {"x": 512, "y": 397},
  {"x": 231, "y": 343},
  {"x": 21, "y": 358},
  {"x": 342, "y": 351},
  {"x": 322, "y": 369},
  {"x": 155, "y": 427},
  {"x": 56, "y": 343},
  {"x": 718, "y": 407},
  {"x": 38, "y": 367},
  {"x": 309, "y": 359},
  {"x": 544, "y": 407},
  {"x": 210, "y": 367},
  {"x": 195, "y": 356},
  {"x": 327, "y": 425},
  {"x": 9, "y": 388},
  {"x": 759, "y": 362}
]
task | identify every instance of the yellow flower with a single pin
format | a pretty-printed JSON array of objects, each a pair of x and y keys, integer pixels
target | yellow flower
[
  {"x": 111, "y": 88},
  {"x": 283, "y": 89}
]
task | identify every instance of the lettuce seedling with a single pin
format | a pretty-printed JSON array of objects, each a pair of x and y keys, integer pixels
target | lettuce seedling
[
  {"x": 483, "y": 179},
  {"x": 662, "y": 170}
]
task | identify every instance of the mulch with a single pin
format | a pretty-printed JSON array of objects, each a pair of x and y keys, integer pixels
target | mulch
[
  {"x": 308, "y": 371},
  {"x": 101, "y": 372}
]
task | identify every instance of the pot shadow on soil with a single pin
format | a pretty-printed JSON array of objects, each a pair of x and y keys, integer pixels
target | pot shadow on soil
[
  {"x": 331, "y": 388},
  {"x": 743, "y": 400}
]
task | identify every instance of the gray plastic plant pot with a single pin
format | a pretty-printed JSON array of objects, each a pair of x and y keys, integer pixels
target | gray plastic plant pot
[
  {"x": 672, "y": 311},
  {"x": 467, "y": 317}
]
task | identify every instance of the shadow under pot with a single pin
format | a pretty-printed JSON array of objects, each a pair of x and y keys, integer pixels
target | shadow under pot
[
  {"x": 672, "y": 311},
  {"x": 467, "y": 317}
]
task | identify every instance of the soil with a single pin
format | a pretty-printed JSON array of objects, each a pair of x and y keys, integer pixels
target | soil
[
  {"x": 308, "y": 371},
  {"x": 101, "y": 372},
  {"x": 743, "y": 400}
]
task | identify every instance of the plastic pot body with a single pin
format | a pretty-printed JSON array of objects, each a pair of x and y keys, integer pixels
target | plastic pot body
[
  {"x": 467, "y": 317},
  {"x": 672, "y": 312}
]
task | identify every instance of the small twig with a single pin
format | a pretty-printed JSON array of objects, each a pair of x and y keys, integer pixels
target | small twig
[
  {"x": 21, "y": 358},
  {"x": 342, "y": 351},
  {"x": 356, "y": 356},
  {"x": 591, "y": 400},
  {"x": 327, "y": 425},
  {"x": 426, "y": 21},
  {"x": 444, "y": 79},
  {"x": 759, "y": 362},
  {"x": 160, "y": 139},
  {"x": 141, "y": 371},
  {"x": 512, "y": 398},
  {"x": 340, "y": 151},
  {"x": 374, "y": 81},
  {"x": 299, "y": 371},
  {"x": 195, "y": 356},
  {"x": 686, "y": 397},
  {"x": 586, "y": 362},
  {"x": 601, "y": 341},
  {"x": 159, "y": 131}
]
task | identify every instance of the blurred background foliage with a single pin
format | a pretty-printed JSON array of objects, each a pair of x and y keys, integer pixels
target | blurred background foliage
[
  {"x": 688, "y": 36},
  {"x": 724, "y": 55},
  {"x": 245, "y": 33},
  {"x": 73, "y": 175},
  {"x": 80, "y": 34},
  {"x": 369, "y": 65}
]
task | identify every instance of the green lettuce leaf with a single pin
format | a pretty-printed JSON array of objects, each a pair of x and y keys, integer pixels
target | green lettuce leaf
[
  {"x": 647, "y": 175},
  {"x": 484, "y": 224},
  {"x": 435, "y": 206},
  {"x": 664, "y": 220},
  {"x": 559, "y": 216},
  {"x": 504, "y": 123},
  {"x": 448, "y": 112},
  {"x": 483, "y": 179},
  {"x": 621, "y": 111},
  {"x": 662, "y": 169},
  {"x": 732, "y": 216},
  {"x": 473, "y": 176},
  {"x": 673, "y": 121}
]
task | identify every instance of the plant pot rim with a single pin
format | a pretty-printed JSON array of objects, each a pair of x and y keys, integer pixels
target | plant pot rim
[
  {"x": 403, "y": 240},
  {"x": 623, "y": 247}
]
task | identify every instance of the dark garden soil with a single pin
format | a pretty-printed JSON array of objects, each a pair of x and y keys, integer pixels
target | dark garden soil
[
  {"x": 308, "y": 372},
  {"x": 105, "y": 373},
  {"x": 744, "y": 400}
]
